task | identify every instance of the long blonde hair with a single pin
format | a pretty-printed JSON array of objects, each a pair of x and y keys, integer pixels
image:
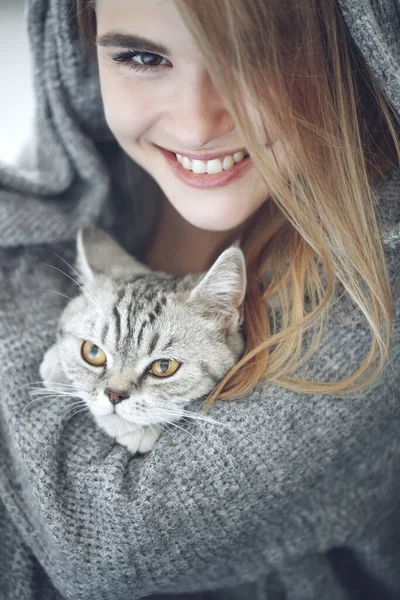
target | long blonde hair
[{"x": 296, "y": 63}]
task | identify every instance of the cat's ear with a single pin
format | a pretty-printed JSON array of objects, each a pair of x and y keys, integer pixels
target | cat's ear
[
  {"x": 99, "y": 254},
  {"x": 223, "y": 288}
]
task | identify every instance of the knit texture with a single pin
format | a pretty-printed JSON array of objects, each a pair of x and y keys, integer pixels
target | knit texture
[{"x": 300, "y": 502}]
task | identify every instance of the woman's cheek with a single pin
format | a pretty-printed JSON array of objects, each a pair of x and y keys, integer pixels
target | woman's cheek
[{"x": 126, "y": 106}]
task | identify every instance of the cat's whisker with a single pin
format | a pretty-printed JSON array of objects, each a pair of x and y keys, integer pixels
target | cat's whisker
[
  {"x": 33, "y": 401},
  {"x": 84, "y": 291},
  {"x": 35, "y": 392},
  {"x": 152, "y": 428},
  {"x": 199, "y": 417},
  {"x": 82, "y": 403},
  {"x": 67, "y": 416},
  {"x": 215, "y": 422},
  {"x": 74, "y": 270},
  {"x": 78, "y": 402},
  {"x": 40, "y": 382},
  {"x": 52, "y": 398},
  {"x": 235, "y": 430},
  {"x": 29, "y": 403},
  {"x": 54, "y": 292},
  {"x": 185, "y": 430},
  {"x": 166, "y": 428},
  {"x": 74, "y": 413},
  {"x": 49, "y": 393},
  {"x": 195, "y": 416},
  {"x": 85, "y": 283}
]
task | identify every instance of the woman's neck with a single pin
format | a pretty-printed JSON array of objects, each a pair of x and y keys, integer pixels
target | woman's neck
[{"x": 179, "y": 248}]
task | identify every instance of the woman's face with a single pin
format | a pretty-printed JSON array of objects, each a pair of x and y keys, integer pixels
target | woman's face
[{"x": 172, "y": 107}]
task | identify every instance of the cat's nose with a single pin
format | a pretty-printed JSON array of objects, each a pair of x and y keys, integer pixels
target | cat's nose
[{"x": 116, "y": 396}]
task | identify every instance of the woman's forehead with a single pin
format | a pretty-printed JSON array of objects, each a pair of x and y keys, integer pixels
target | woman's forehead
[
  {"x": 158, "y": 11},
  {"x": 157, "y": 21}
]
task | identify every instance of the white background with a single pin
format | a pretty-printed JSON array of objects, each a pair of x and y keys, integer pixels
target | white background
[{"x": 16, "y": 94}]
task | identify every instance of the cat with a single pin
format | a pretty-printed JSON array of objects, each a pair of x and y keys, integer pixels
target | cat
[{"x": 138, "y": 345}]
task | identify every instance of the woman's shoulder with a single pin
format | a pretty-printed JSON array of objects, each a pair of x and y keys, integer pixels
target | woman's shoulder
[
  {"x": 277, "y": 473},
  {"x": 37, "y": 281}
]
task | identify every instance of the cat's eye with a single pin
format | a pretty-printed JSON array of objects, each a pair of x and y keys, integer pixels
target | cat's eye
[
  {"x": 164, "y": 367},
  {"x": 93, "y": 355}
]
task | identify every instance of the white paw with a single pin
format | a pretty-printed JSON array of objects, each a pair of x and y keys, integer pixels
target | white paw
[
  {"x": 50, "y": 369},
  {"x": 149, "y": 438},
  {"x": 142, "y": 440}
]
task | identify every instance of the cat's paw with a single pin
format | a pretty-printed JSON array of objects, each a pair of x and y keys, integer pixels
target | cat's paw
[
  {"x": 142, "y": 440},
  {"x": 149, "y": 438},
  {"x": 50, "y": 369}
]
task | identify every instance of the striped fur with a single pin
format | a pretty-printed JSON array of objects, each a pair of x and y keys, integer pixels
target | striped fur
[{"x": 137, "y": 316}]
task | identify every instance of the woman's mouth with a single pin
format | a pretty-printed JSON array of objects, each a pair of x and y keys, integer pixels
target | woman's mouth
[{"x": 208, "y": 174}]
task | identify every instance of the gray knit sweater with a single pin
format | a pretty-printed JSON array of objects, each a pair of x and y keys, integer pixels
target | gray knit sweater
[{"x": 302, "y": 502}]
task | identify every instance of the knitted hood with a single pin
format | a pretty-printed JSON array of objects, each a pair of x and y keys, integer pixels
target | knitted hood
[
  {"x": 284, "y": 495},
  {"x": 61, "y": 179}
]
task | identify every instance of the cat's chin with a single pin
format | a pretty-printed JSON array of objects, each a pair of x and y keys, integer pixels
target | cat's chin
[{"x": 115, "y": 425}]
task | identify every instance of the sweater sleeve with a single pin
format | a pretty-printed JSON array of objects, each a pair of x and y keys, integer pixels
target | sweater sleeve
[{"x": 210, "y": 507}]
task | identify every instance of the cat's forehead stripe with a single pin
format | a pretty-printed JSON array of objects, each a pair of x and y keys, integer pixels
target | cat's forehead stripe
[
  {"x": 104, "y": 333},
  {"x": 131, "y": 300},
  {"x": 129, "y": 317},
  {"x": 139, "y": 338},
  {"x": 117, "y": 322},
  {"x": 150, "y": 317},
  {"x": 158, "y": 308},
  {"x": 153, "y": 343},
  {"x": 117, "y": 315},
  {"x": 167, "y": 346}
]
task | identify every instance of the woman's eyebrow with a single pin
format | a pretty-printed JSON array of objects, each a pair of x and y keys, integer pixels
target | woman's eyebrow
[{"x": 124, "y": 40}]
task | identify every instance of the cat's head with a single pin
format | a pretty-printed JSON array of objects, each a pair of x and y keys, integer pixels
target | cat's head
[{"x": 142, "y": 344}]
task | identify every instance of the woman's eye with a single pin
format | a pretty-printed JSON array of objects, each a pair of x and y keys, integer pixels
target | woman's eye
[
  {"x": 164, "y": 367},
  {"x": 147, "y": 60},
  {"x": 93, "y": 355}
]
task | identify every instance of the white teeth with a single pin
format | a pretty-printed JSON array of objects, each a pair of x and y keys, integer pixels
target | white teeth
[
  {"x": 214, "y": 166},
  {"x": 198, "y": 166},
  {"x": 229, "y": 161},
  {"x": 238, "y": 156},
  {"x": 186, "y": 163},
  {"x": 211, "y": 166}
]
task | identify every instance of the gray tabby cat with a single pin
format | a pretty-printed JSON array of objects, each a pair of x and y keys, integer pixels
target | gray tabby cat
[{"x": 137, "y": 345}]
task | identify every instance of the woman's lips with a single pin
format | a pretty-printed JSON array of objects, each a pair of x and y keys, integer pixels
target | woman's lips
[{"x": 204, "y": 181}]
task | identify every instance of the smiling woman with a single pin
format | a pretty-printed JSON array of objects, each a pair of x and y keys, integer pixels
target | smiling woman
[
  {"x": 215, "y": 104},
  {"x": 271, "y": 126},
  {"x": 160, "y": 105}
]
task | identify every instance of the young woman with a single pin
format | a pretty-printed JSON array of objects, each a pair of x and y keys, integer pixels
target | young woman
[{"x": 182, "y": 126}]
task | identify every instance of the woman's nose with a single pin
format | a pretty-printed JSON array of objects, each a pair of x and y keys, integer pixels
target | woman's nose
[{"x": 198, "y": 114}]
